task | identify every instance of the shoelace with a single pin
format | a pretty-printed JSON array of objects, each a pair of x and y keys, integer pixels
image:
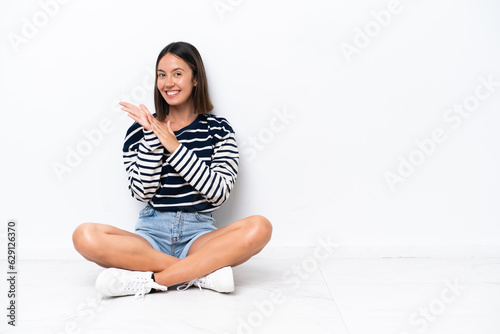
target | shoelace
[
  {"x": 186, "y": 285},
  {"x": 201, "y": 281},
  {"x": 141, "y": 287}
]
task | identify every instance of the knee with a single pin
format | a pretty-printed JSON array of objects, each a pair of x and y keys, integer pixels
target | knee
[
  {"x": 84, "y": 237},
  {"x": 261, "y": 229}
]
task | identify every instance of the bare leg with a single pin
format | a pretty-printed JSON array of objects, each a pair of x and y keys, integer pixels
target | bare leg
[
  {"x": 109, "y": 246},
  {"x": 228, "y": 246},
  {"x": 231, "y": 245}
]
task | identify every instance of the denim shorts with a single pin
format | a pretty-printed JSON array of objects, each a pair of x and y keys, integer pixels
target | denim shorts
[{"x": 173, "y": 233}]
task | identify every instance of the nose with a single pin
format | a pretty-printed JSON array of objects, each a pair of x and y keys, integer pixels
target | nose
[{"x": 169, "y": 81}]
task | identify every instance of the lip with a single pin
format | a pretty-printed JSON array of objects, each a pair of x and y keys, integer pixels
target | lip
[{"x": 172, "y": 95}]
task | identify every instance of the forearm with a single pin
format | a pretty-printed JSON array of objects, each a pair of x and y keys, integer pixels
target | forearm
[
  {"x": 144, "y": 167},
  {"x": 215, "y": 182}
]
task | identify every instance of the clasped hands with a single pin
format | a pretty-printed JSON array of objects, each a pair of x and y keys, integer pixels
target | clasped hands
[{"x": 142, "y": 116}]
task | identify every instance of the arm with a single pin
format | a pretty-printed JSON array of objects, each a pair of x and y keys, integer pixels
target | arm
[
  {"x": 216, "y": 181},
  {"x": 142, "y": 155}
]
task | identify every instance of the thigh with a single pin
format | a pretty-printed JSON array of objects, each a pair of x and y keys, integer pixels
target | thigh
[
  {"x": 254, "y": 232},
  {"x": 110, "y": 229},
  {"x": 201, "y": 241},
  {"x": 88, "y": 233},
  {"x": 109, "y": 246}
]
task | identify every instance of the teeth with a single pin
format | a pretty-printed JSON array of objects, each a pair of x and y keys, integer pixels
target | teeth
[{"x": 172, "y": 92}]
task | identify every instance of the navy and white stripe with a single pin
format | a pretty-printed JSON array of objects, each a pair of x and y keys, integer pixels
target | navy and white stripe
[{"x": 198, "y": 176}]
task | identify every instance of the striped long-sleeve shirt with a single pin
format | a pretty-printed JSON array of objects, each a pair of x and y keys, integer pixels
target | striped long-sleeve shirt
[{"x": 198, "y": 176}]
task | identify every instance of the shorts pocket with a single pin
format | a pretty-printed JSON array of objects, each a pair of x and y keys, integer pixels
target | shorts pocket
[
  {"x": 204, "y": 218},
  {"x": 148, "y": 211}
]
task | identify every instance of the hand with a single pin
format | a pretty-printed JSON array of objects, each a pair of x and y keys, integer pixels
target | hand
[
  {"x": 139, "y": 114},
  {"x": 164, "y": 133}
]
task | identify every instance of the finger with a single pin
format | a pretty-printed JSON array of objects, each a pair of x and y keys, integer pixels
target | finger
[
  {"x": 159, "y": 125},
  {"x": 137, "y": 118},
  {"x": 129, "y": 111},
  {"x": 153, "y": 120},
  {"x": 169, "y": 128},
  {"x": 133, "y": 117},
  {"x": 143, "y": 107},
  {"x": 129, "y": 105},
  {"x": 161, "y": 130},
  {"x": 158, "y": 121}
]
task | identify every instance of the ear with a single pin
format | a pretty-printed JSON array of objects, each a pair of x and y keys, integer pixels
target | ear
[{"x": 195, "y": 81}]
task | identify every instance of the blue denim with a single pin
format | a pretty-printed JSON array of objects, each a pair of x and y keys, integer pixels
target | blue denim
[{"x": 173, "y": 233}]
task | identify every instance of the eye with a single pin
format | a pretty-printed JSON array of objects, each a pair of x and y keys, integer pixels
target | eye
[
  {"x": 161, "y": 75},
  {"x": 177, "y": 74}
]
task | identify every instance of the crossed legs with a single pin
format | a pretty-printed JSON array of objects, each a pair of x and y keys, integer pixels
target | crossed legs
[{"x": 230, "y": 245}]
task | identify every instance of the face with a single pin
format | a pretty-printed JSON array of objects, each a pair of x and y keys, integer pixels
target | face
[{"x": 175, "y": 80}]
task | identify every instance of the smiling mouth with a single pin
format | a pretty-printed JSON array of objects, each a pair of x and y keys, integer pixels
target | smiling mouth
[{"x": 172, "y": 92}]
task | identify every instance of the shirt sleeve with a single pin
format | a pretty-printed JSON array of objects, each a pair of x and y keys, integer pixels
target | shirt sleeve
[
  {"x": 214, "y": 181},
  {"x": 142, "y": 156}
]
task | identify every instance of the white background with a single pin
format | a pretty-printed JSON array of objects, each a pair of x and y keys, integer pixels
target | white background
[{"x": 319, "y": 170}]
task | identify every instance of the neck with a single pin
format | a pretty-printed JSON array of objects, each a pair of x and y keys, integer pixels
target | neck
[
  {"x": 181, "y": 116},
  {"x": 182, "y": 113}
]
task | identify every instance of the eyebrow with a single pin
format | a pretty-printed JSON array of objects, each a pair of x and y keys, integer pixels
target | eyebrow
[{"x": 175, "y": 69}]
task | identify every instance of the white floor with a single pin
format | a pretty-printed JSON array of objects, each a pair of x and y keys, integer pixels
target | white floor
[{"x": 294, "y": 295}]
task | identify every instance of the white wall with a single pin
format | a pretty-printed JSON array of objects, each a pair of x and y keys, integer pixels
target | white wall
[{"x": 322, "y": 113}]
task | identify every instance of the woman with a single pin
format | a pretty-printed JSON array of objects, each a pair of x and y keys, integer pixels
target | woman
[{"x": 183, "y": 162}]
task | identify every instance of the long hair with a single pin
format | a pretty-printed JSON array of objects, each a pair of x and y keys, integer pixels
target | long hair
[{"x": 192, "y": 57}]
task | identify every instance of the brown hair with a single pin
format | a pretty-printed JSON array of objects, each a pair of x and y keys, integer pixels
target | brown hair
[{"x": 192, "y": 57}]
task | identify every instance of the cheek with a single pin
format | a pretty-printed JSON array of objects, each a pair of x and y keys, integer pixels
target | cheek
[{"x": 186, "y": 84}]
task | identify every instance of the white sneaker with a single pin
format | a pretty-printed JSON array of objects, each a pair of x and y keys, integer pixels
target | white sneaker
[
  {"x": 114, "y": 282},
  {"x": 220, "y": 280}
]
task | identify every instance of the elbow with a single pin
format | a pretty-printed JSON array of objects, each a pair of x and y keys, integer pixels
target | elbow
[
  {"x": 219, "y": 197},
  {"x": 140, "y": 195}
]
